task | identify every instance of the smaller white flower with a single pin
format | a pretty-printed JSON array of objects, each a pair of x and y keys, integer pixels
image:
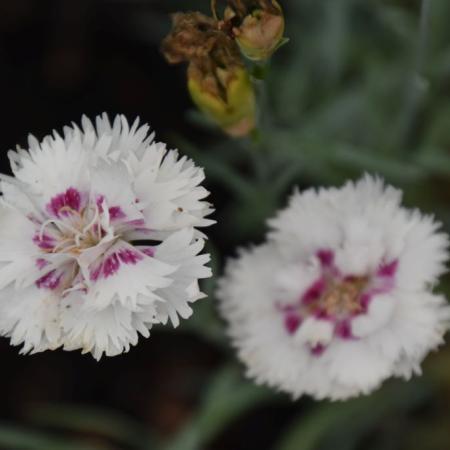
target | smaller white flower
[
  {"x": 98, "y": 239},
  {"x": 340, "y": 297}
]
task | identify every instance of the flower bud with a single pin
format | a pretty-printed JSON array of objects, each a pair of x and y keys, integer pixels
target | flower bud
[
  {"x": 218, "y": 82},
  {"x": 258, "y": 26},
  {"x": 227, "y": 97}
]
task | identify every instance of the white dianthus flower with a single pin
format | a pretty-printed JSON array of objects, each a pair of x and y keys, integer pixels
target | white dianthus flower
[
  {"x": 340, "y": 297},
  {"x": 98, "y": 239}
]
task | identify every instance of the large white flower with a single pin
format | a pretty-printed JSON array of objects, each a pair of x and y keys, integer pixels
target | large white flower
[
  {"x": 340, "y": 297},
  {"x": 98, "y": 239}
]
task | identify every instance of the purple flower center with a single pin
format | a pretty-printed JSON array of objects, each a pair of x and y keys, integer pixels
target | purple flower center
[
  {"x": 76, "y": 222},
  {"x": 337, "y": 298}
]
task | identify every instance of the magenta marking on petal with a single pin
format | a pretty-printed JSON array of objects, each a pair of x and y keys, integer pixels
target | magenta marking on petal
[
  {"x": 326, "y": 257},
  {"x": 314, "y": 292},
  {"x": 139, "y": 224},
  {"x": 73, "y": 199},
  {"x": 318, "y": 350},
  {"x": 49, "y": 281},
  {"x": 291, "y": 322},
  {"x": 69, "y": 200},
  {"x": 321, "y": 314},
  {"x": 384, "y": 288},
  {"x": 149, "y": 251},
  {"x": 128, "y": 256},
  {"x": 115, "y": 212},
  {"x": 285, "y": 308},
  {"x": 95, "y": 273},
  {"x": 343, "y": 329},
  {"x": 365, "y": 300},
  {"x": 98, "y": 230},
  {"x": 99, "y": 202},
  {"x": 32, "y": 218},
  {"x": 45, "y": 242},
  {"x": 388, "y": 269},
  {"x": 111, "y": 265},
  {"x": 41, "y": 263}
]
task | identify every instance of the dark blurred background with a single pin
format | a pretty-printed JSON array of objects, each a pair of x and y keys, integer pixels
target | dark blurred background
[
  {"x": 358, "y": 88},
  {"x": 59, "y": 60}
]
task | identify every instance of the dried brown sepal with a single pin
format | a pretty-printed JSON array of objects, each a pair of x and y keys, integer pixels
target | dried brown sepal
[{"x": 193, "y": 37}]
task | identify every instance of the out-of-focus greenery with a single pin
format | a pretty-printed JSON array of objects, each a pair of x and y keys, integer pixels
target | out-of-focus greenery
[{"x": 361, "y": 86}]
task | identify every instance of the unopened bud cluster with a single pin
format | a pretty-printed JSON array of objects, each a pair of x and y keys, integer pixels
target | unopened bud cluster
[{"x": 218, "y": 80}]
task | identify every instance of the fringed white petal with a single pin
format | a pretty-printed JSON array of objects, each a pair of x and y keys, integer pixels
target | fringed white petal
[
  {"x": 73, "y": 268},
  {"x": 340, "y": 297}
]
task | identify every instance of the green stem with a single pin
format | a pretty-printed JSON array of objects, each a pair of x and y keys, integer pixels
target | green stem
[
  {"x": 425, "y": 13},
  {"x": 258, "y": 152},
  {"x": 259, "y": 73},
  {"x": 417, "y": 85}
]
